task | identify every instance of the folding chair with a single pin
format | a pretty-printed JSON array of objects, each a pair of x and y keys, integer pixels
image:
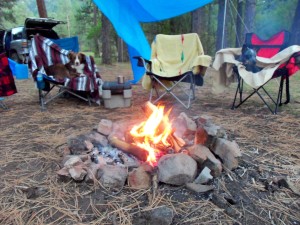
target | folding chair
[
  {"x": 44, "y": 52},
  {"x": 7, "y": 82},
  {"x": 175, "y": 60},
  {"x": 266, "y": 49}
]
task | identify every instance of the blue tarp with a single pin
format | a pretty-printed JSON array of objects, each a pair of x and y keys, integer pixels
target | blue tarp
[
  {"x": 69, "y": 43},
  {"x": 126, "y": 16}
]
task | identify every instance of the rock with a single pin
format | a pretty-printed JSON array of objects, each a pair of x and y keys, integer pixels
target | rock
[
  {"x": 129, "y": 161},
  {"x": 204, "y": 176},
  {"x": 140, "y": 178},
  {"x": 206, "y": 158},
  {"x": 112, "y": 177},
  {"x": 191, "y": 124},
  {"x": 228, "y": 151},
  {"x": 118, "y": 130},
  {"x": 199, "y": 188},
  {"x": 160, "y": 216},
  {"x": 82, "y": 157},
  {"x": 92, "y": 170},
  {"x": 78, "y": 172},
  {"x": 176, "y": 169},
  {"x": 64, "y": 175},
  {"x": 180, "y": 127},
  {"x": 34, "y": 192},
  {"x": 203, "y": 120},
  {"x": 97, "y": 139},
  {"x": 215, "y": 131},
  {"x": 72, "y": 161},
  {"x": 201, "y": 136},
  {"x": 89, "y": 145},
  {"x": 105, "y": 127},
  {"x": 76, "y": 145}
]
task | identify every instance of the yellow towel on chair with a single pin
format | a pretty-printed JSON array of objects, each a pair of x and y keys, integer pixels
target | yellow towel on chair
[{"x": 174, "y": 55}]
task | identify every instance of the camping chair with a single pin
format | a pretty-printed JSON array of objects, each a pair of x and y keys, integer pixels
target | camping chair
[
  {"x": 44, "y": 52},
  {"x": 7, "y": 82},
  {"x": 268, "y": 50},
  {"x": 175, "y": 59}
]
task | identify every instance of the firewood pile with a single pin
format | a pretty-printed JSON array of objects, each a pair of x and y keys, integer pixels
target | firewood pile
[{"x": 197, "y": 152}]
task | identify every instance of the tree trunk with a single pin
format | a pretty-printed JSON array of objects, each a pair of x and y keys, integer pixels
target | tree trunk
[
  {"x": 41, "y": 8},
  {"x": 105, "y": 36},
  {"x": 250, "y": 15},
  {"x": 95, "y": 21},
  {"x": 295, "y": 30},
  {"x": 198, "y": 21},
  {"x": 239, "y": 24},
  {"x": 122, "y": 50},
  {"x": 219, "y": 42}
]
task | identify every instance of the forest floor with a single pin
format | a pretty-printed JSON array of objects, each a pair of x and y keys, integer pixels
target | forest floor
[{"x": 262, "y": 190}]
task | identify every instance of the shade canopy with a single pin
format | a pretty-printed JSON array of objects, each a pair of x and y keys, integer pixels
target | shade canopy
[{"x": 126, "y": 16}]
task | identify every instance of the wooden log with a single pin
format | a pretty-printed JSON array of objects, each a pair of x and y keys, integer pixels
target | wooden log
[
  {"x": 132, "y": 149},
  {"x": 176, "y": 142}
]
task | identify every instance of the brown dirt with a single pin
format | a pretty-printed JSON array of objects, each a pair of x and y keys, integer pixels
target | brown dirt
[{"x": 32, "y": 143}]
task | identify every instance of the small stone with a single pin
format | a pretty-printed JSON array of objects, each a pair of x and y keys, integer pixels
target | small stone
[
  {"x": 204, "y": 176},
  {"x": 105, "y": 127}
]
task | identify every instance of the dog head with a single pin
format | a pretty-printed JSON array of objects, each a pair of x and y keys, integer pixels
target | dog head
[{"x": 76, "y": 58}]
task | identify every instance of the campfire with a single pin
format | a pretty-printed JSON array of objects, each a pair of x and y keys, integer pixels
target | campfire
[
  {"x": 160, "y": 149},
  {"x": 155, "y": 134}
]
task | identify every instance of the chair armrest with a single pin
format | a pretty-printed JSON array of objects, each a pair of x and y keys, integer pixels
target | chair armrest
[
  {"x": 143, "y": 62},
  {"x": 203, "y": 60}
]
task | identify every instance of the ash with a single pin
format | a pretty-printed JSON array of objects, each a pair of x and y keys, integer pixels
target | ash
[{"x": 113, "y": 156}]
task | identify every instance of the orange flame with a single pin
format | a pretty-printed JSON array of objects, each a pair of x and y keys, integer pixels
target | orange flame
[{"x": 153, "y": 132}]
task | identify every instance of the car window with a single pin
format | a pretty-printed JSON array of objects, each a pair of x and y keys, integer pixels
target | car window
[{"x": 17, "y": 33}]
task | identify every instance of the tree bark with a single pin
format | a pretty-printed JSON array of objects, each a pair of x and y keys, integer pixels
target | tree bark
[
  {"x": 198, "y": 21},
  {"x": 250, "y": 11},
  {"x": 122, "y": 50},
  {"x": 295, "y": 30},
  {"x": 95, "y": 21},
  {"x": 105, "y": 36},
  {"x": 41, "y": 8},
  {"x": 239, "y": 26},
  {"x": 220, "y": 24}
]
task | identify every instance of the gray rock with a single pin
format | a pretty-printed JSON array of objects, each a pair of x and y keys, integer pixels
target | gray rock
[
  {"x": 176, "y": 169},
  {"x": 112, "y": 177},
  {"x": 160, "y": 216}
]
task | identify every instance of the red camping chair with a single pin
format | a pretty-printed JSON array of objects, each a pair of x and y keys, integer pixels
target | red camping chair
[{"x": 266, "y": 49}]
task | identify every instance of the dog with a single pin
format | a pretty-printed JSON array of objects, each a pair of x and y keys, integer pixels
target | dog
[
  {"x": 77, "y": 61},
  {"x": 74, "y": 68}
]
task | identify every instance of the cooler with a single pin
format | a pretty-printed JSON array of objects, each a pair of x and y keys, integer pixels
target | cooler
[{"x": 116, "y": 95}]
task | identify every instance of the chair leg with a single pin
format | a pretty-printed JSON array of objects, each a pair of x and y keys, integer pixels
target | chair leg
[
  {"x": 2, "y": 104},
  {"x": 239, "y": 90}
]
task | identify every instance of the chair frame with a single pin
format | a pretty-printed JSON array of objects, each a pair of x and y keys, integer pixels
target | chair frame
[
  {"x": 44, "y": 94},
  {"x": 280, "y": 72},
  {"x": 275, "y": 102},
  {"x": 176, "y": 80}
]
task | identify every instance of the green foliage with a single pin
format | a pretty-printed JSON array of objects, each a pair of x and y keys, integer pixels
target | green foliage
[
  {"x": 5, "y": 12},
  {"x": 273, "y": 16}
]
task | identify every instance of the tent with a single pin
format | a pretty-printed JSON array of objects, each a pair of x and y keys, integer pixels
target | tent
[{"x": 126, "y": 16}]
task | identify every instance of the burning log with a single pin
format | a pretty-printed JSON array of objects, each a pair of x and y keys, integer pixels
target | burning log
[
  {"x": 176, "y": 142},
  {"x": 135, "y": 150}
]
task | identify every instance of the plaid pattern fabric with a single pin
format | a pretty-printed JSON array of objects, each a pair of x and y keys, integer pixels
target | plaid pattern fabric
[
  {"x": 7, "y": 82},
  {"x": 45, "y": 52}
]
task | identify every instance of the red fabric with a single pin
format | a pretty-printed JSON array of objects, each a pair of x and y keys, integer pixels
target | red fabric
[
  {"x": 277, "y": 39},
  {"x": 7, "y": 82}
]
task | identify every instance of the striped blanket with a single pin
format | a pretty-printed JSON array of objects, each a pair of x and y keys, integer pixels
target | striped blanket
[
  {"x": 7, "y": 82},
  {"x": 45, "y": 52}
]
